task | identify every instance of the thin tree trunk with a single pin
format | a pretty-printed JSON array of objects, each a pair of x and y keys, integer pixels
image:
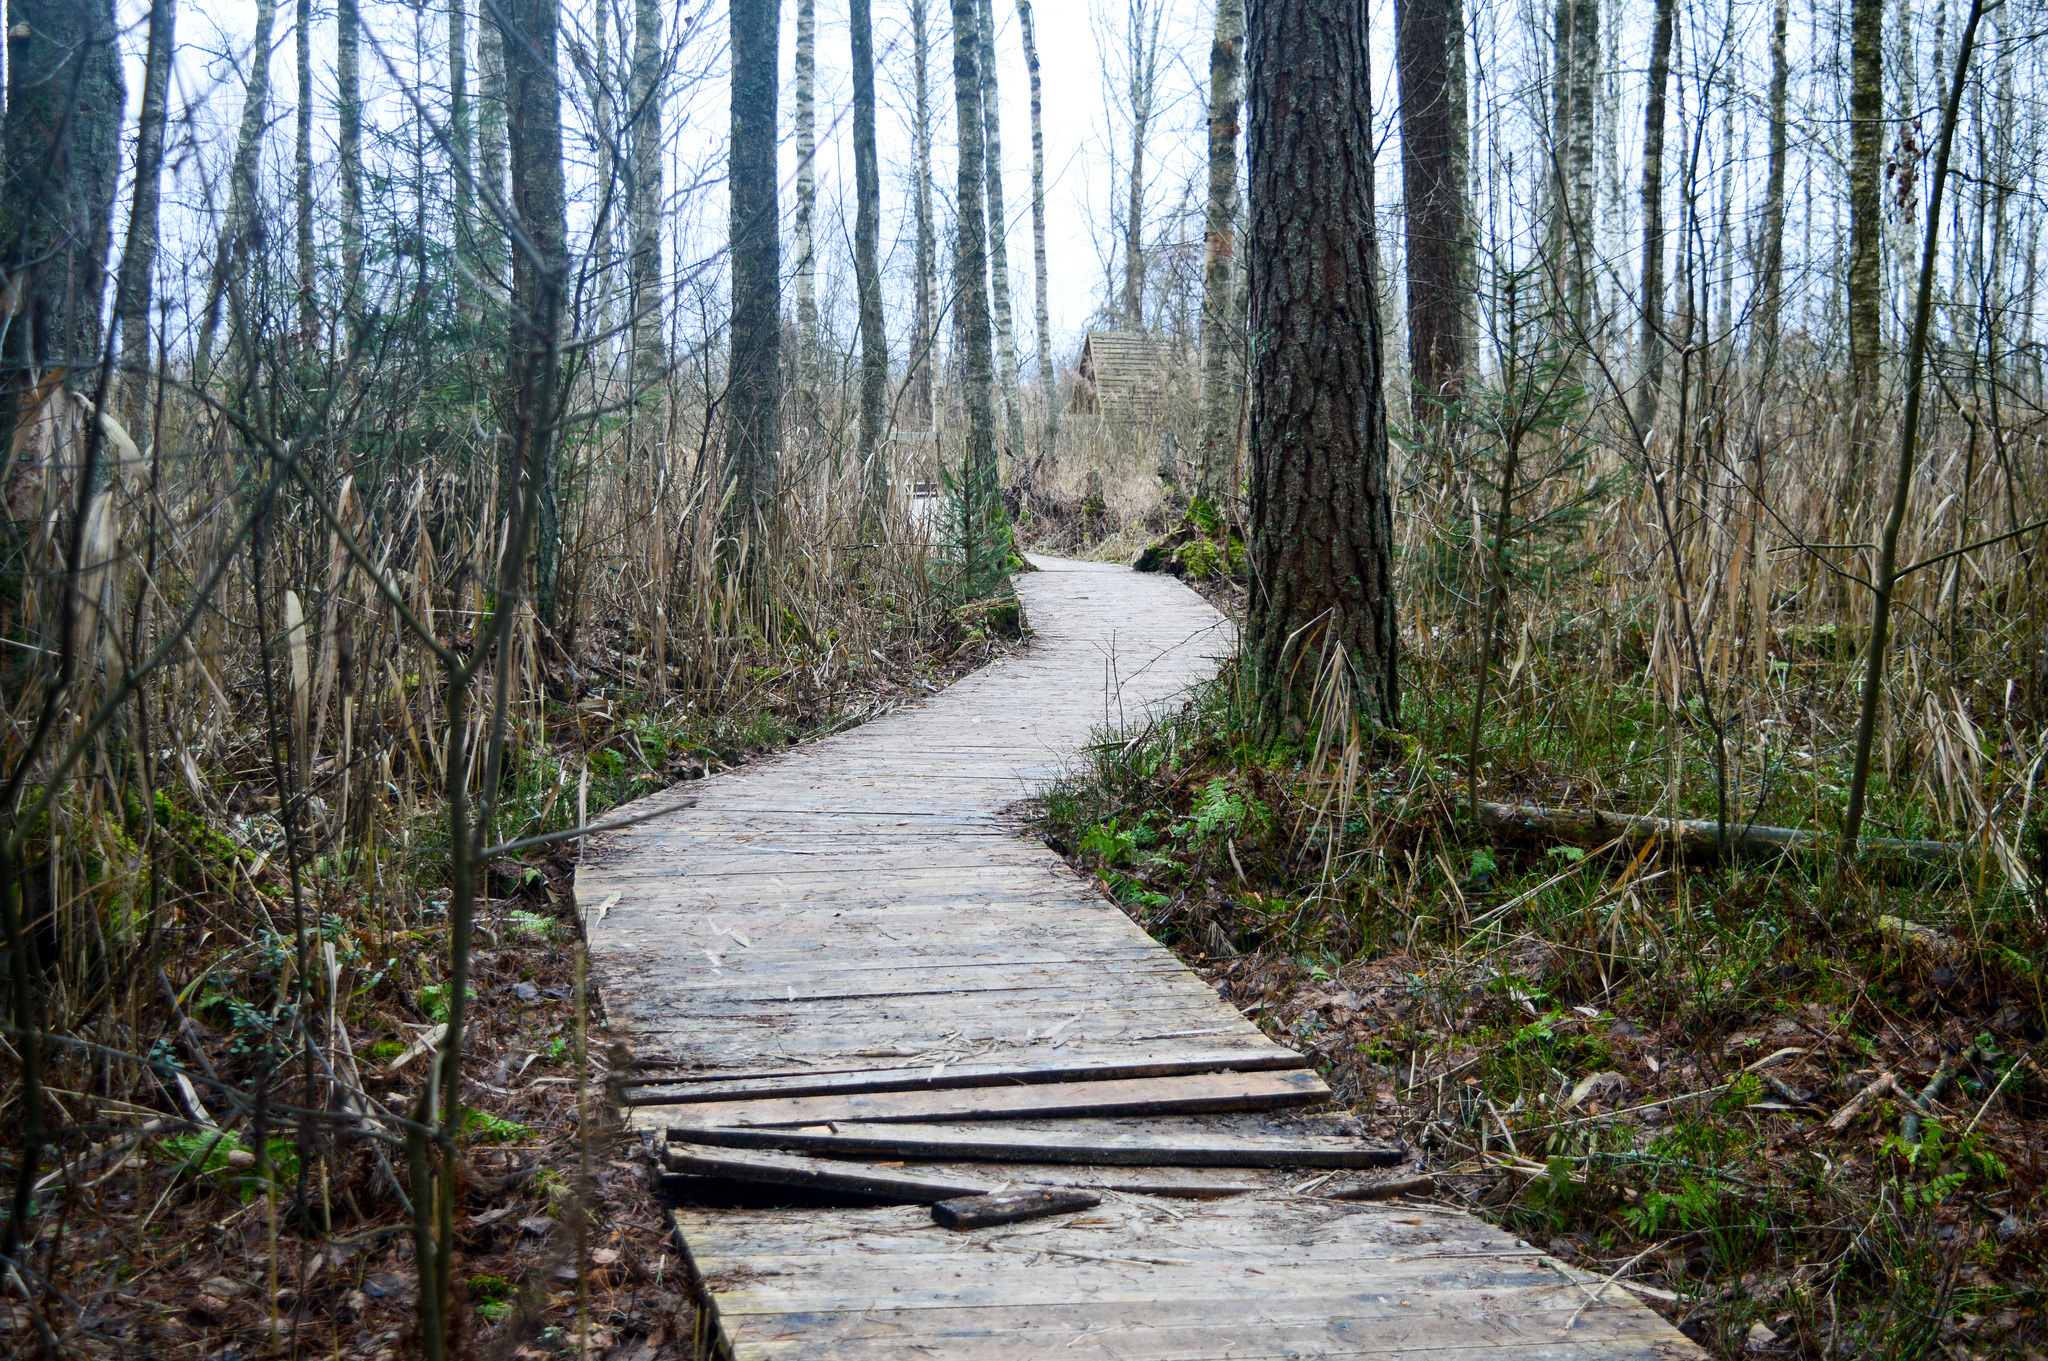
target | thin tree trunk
[
  {"x": 1652, "y": 302},
  {"x": 348, "y": 101},
  {"x": 1429, "y": 48},
  {"x": 1321, "y": 503},
  {"x": 1571, "y": 171},
  {"x": 921, "y": 357},
  {"x": 138, "y": 252},
  {"x": 534, "y": 134},
  {"x": 644, "y": 268},
  {"x": 754, "y": 402},
  {"x": 237, "y": 229},
  {"x": 302, "y": 182},
  {"x": 998, "y": 236},
  {"x": 867, "y": 263},
  {"x": 806, "y": 206},
  {"x": 1770, "y": 300},
  {"x": 1143, "y": 44},
  {"x": 1222, "y": 376},
  {"x": 1048, "y": 380},
  {"x": 459, "y": 139},
  {"x": 1866, "y": 230},
  {"x": 970, "y": 256}
]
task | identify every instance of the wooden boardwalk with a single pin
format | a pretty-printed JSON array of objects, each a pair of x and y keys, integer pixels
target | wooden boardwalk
[{"x": 853, "y": 989}]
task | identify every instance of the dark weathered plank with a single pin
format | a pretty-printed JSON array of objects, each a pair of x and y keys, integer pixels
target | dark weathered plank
[
  {"x": 996, "y": 1144},
  {"x": 821, "y": 1174},
  {"x": 1012, "y": 1206}
]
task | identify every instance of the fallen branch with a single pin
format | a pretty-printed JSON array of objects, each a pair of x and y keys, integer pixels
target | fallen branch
[{"x": 1702, "y": 835}]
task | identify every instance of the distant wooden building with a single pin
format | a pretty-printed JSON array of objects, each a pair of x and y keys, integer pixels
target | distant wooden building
[{"x": 1123, "y": 377}]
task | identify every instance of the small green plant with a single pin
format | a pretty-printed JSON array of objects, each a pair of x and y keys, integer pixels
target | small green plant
[
  {"x": 492, "y": 1295},
  {"x": 493, "y": 1128},
  {"x": 1108, "y": 841}
]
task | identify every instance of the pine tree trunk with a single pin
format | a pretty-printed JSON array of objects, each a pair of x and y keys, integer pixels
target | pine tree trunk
[
  {"x": 138, "y": 252},
  {"x": 970, "y": 255},
  {"x": 1866, "y": 230},
  {"x": 1429, "y": 57},
  {"x": 1573, "y": 99},
  {"x": 644, "y": 269},
  {"x": 806, "y": 209},
  {"x": 65, "y": 101},
  {"x": 867, "y": 263},
  {"x": 1652, "y": 301},
  {"x": 348, "y": 110},
  {"x": 754, "y": 401},
  {"x": 1048, "y": 380},
  {"x": 1321, "y": 504},
  {"x": 240, "y": 224},
  {"x": 459, "y": 140},
  {"x": 302, "y": 183},
  {"x": 539, "y": 205},
  {"x": 921, "y": 354},
  {"x": 1770, "y": 301},
  {"x": 998, "y": 237},
  {"x": 1222, "y": 351}
]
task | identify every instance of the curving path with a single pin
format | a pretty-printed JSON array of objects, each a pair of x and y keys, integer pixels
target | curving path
[{"x": 852, "y": 988}]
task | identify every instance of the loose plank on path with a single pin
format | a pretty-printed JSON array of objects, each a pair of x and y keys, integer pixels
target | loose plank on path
[{"x": 833, "y": 930}]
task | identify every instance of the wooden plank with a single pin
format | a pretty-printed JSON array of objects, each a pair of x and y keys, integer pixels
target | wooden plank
[
  {"x": 821, "y": 1174},
  {"x": 1011, "y": 1206},
  {"x": 649, "y": 1090},
  {"x": 1190, "y": 1095},
  {"x": 994, "y": 1144}
]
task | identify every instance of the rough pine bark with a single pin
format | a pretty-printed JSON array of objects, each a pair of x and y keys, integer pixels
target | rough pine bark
[
  {"x": 1866, "y": 227},
  {"x": 1429, "y": 61},
  {"x": 65, "y": 100},
  {"x": 1574, "y": 97},
  {"x": 1222, "y": 376},
  {"x": 138, "y": 251},
  {"x": 539, "y": 263},
  {"x": 754, "y": 386},
  {"x": 1652, "y": 302},
  {"x": 644, "y": 268},
  {"x": 867, "y": 261},
  {"x": 970, "y": 252},
  {"x": 926, "y": 340},
  {"x": 348, "y": 117},
  {"x": 806, "y": 197},
  {"x": 1048, "y": 381},
  {"x": 1321, "y": 503},
  {"x": 1770, "y": 300},
  {"x": 998, "y": 235}
]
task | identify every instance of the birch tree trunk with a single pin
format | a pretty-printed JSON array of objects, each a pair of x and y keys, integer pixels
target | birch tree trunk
[
  {"x": 921, "y": 357},
  {"x": 348, "y": 117},
  {"x": 1321, "y": 504},
  {"x": 1573, "y": 100},
  {"x": 1142, "y": 62},
  {"x": 644, "y": 267},
  {"x": 1222, "y": 376},
  {"x": 458, "y": 139},
  {"x": 754, "y": 399},
  {"x": 302, "y": 182},
  {"x": 138, "y": 251},
  {"x": 240, "y": 222},
  {"x": 492, "y": 245},
  {"x": 1866, "y": 232},
  {"x": 970, "y": 254},
  {"x": 539, "y": 204},
  {"x": 1429, "y": 58},
  {"x": 1770, "y": 300},
  {"x": 1652, "y": 301},
  {"x": 867, "y": 264},
  {"x": 1048, "y": 380},
  {"x": 806, "y": 206},
  {"x": 998, "y": 233}
]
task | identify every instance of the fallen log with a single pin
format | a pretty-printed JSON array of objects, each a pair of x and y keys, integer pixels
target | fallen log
[{"x": 1703, "y": 836}]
